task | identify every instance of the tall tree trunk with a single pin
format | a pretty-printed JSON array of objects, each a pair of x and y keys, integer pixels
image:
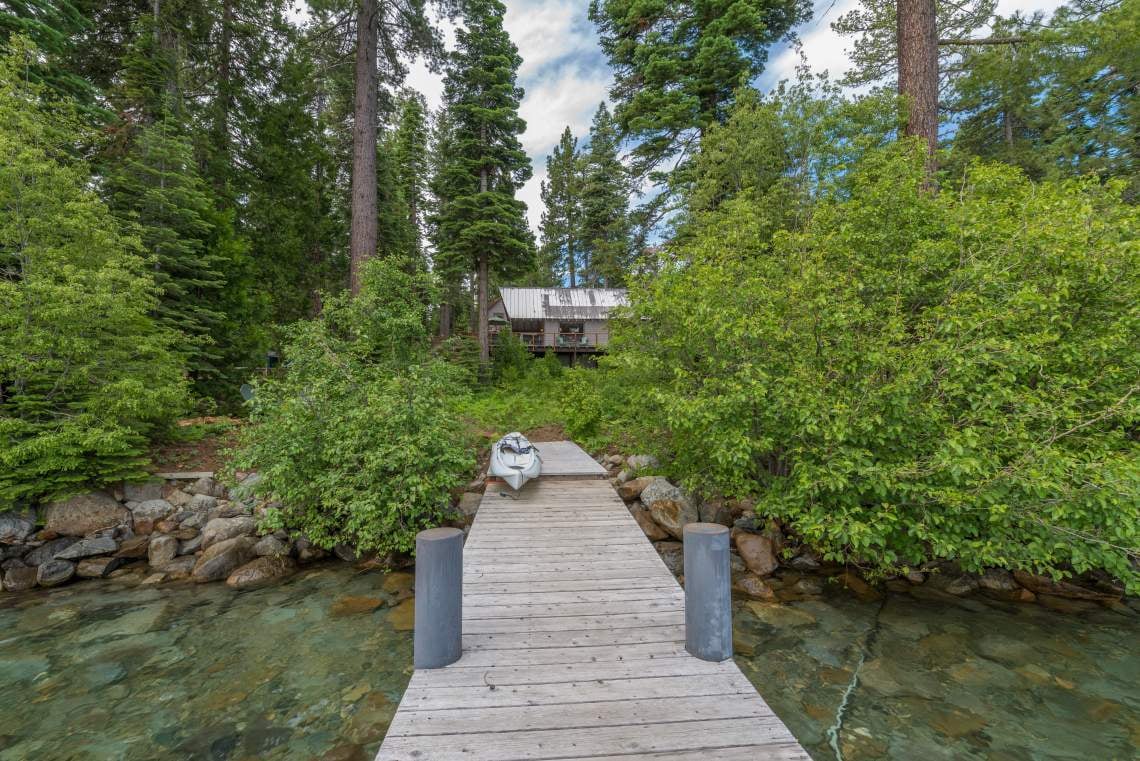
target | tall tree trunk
[
  {"x": 362, "y": 240},
  {"x": 918, "y": 70},
  {"x": 482, "y": 273},
  {"x": 445, "y": 312}
]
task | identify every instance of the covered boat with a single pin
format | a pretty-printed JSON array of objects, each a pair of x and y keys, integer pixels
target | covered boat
[{"x": 515, "y": 460}]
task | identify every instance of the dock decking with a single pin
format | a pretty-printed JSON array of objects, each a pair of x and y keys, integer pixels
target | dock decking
[{"x": 574, "y": 645}]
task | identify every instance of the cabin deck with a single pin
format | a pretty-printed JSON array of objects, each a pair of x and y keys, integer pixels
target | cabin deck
[{"x": 574, "y": 646}]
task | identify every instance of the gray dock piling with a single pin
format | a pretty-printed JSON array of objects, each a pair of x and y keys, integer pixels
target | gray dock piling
[
  {"x": 708, "y": 592},
  {"x": 438, "y": 638}
]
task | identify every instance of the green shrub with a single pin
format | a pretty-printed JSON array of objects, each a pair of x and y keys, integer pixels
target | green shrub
[
  {"x": 582, "y": 404},
  {"x": 85, "y": 373},
  {"x": 550, "y": 366},
  {"x": 359, "y": 440},
  {"x": 510, "y": 358},
  {"x": 912, "y": 375}
]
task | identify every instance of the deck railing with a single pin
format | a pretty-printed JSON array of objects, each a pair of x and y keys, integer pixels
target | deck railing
[{"x": 567, "y": 341}]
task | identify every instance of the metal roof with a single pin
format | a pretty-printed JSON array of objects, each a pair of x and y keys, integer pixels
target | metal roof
[{"x": 561, "y": 303}]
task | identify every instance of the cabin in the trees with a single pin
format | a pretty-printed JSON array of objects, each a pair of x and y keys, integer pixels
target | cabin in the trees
[{"x": 567, "y": 321}]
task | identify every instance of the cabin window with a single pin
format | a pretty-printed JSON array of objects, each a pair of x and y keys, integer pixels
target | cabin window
[{"x": 571, "y": 327}]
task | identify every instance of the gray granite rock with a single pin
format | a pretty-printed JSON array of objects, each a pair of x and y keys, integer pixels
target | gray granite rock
[
  {"x": 15, "y": 527},
  {"x": 143, "y": 491},
  {"x": 54, "y": 572},
  {"x": 221, "y": 529},
  {"x": 162, "y": 550},
  {"x": 85, "y": 548},
  {"x": 48, "y": 550},
  {"x": 19, "y": 579},
  {"x": 220, "y": 560},
  {"x": 270, "y": 546},
  {"x": 84, "y": 514}
]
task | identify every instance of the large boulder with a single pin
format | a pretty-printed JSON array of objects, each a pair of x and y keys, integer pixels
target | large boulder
[
  {"x": 15, "y": 527},
  {"x": 649, "y": 527},
  {"x": 147, "y": 514},
  {"x": 669, "y": 506},
  {"x": 631, "y": 490},
  {"x": 54, "y": 572},
  {"x": 85, "y": 514},
  {"x": 221, "y": 529},
  {"x": 85, "y": 548},
  {"x": 162, "y": 550},
  {"x": 202, "y": 503},
  {"x": 270, "y": 546},
  {"x": 48, "y": 550},
  {"x": 223, "y": 558},
  {"x": 19, "y": 578},
  {"x": 262, "y": 572},
  {"x": 758, "y": 553}
]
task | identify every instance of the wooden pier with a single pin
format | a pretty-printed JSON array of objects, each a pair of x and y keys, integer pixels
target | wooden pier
[{"x": 574, "y": 645}]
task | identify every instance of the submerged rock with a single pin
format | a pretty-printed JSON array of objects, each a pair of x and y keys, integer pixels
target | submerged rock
[
  {"x": 351, "y": 605},
  {"x": 85, "y": 514},
  {"x": 752, "y": 586},
  {"x": 262, "y": 572},
  {"x": 403, "y": 616}
]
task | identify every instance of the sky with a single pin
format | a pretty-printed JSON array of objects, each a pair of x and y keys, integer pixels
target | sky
[{"x": 565, "y": 76}]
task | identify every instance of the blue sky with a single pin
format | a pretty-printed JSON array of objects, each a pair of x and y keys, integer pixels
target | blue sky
[{"x": 565, "y": 75}]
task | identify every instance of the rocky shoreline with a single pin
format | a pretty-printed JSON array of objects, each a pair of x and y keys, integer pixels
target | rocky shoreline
[
  {"x": 166, "y": 529},
  {"x": 190, "y": 527},
  {"x": 768, "y": 563}
]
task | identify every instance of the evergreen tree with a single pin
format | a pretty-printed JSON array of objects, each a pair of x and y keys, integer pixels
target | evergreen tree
[
  {"x": 157, "y": 187},
  {"x": 52, "y": 27},
  {"x": 396, "y": 236},
  {"x": 481, "y": 226},
  {"x": 605, "y": 222},
  {"x": 410, "y": 155},
  {"x": 85, "y": 373},
  {"x": 561, "y": 194},
  {"x": 677, "y": 65}
]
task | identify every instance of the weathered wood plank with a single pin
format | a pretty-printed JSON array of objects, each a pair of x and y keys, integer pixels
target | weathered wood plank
[{"x": 573, "y": 646}]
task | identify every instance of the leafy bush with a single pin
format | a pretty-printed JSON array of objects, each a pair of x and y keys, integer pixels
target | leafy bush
[
  {"x": 583, "y": 404},
  {"x": 510, "y": 358},
  {"x": 85, "y": 373},
  {"x": 359, "y": 440},
  {"x": 550, "y": 365},
  {"x": 912, "y": 375}
]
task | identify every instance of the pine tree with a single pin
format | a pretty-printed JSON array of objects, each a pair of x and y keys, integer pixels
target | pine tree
[
  {"x": 410, "y": 156},
  {"x": 605, "y": 224},
  {"x": 677, "y": 66},
  {"x": 156, "y": 186},
  {"x": 481, "y": 225},
  {"x": 561, "y": 194},
  {"x": 51, "y": 26}
]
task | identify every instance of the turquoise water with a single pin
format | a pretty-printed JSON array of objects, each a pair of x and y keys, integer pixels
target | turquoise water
[
  {"x": 314, "y": 669},
  {"x": 306, "y": 670},
  {"x": 946, "y": 680}
]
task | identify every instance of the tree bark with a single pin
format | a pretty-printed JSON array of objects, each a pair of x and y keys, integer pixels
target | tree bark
[
  {"x": 918, "y": 70},
  {"x": 445, "y": 320},
  {"x": 482, "y": 273},
  {"x": 362, "y": 236}
]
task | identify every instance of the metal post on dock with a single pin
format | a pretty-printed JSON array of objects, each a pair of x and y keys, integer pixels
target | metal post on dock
[
  {"x": 438, "y": 638},
  {"x": 708, "y": 592}
]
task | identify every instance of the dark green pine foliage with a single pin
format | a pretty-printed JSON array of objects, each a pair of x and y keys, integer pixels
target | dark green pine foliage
[
  {"x": 481, "y": 226},
  {"x": 677, "y": 64},
  {"x": 560, "y": 250},
  {"x": 409, "y": 147},
  {"x": 605, "y": 222},
  {"x": 395, "y": 235},
  {"x": 291, "y": 185},
  {"x": 52, "y": 26},
  {"x": 156, "y": 186}
]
